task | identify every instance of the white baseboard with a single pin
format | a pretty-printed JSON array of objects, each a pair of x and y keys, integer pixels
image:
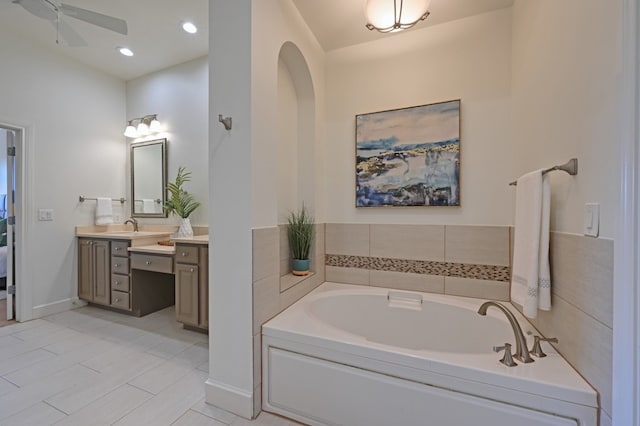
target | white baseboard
[
  {"x": 229, "y": 398},
  {"x": 57, "y": 307}
]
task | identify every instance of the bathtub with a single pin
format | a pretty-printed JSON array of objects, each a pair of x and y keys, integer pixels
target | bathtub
[{"x": 355, "y": 355}]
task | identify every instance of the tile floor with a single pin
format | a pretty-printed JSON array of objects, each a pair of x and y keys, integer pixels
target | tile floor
[{"x": 94, "y": 367}]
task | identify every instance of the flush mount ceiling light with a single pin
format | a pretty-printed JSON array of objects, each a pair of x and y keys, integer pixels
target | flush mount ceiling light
[
  {"x": 389, "y": 16},
  {"x": 189, "y": 27},
  {"x": 125, "y": 51},
  {"x": 147, "y": 125}
]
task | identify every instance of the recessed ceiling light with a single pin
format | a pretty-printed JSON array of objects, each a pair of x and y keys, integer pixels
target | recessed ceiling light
[
  {"x": 125, "y": 51},
  {"x": 189, "y": 27}
]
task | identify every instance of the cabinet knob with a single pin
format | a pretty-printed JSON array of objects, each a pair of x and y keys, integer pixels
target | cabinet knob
[
  {"x": 191, "y": 270},
  {"x": 117, "y": 265},
  {"x": 117, "y": 283},
  {"x": 184, "y": 254},
  {"x": 117, "y": 300},
  {"x": 148, "y": 262},
  {"x": 117, "y": 249}
]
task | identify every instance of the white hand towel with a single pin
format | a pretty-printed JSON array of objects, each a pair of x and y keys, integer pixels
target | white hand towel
[
  {"x": 104, "y": 211},
  {"x": 148, "y": 205},
  {"x": 531, "y": 282}
]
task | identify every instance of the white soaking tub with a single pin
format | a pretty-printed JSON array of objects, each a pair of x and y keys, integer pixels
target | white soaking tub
[{"x": 355, "y": 355}]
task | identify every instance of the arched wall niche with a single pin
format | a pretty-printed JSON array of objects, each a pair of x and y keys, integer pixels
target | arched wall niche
[{"x": 296, "y": 132}]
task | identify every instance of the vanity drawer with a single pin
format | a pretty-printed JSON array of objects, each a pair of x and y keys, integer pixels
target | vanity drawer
[
  {"x": 187, "y": 254},
  {"x": 120, "y": 265},
  {"x": 151, "y": 262},
  {"x": 119, "y": 248},
  {"x": 120, "y": 282},
  {"x": 120, "y": 300}
]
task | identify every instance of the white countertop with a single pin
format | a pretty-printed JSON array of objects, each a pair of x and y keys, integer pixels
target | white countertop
[
  {"x": 154, "y": 249},
  {"x": 196, "y": 239}
]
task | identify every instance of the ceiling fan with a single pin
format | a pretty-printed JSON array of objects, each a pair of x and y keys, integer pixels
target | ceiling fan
[{"x": 50, "y": 11}]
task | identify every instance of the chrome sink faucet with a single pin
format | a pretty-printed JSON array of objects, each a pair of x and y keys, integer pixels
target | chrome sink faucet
[
  {"x": 133, "y": 222},
  {"x": 522, "y": 352}
]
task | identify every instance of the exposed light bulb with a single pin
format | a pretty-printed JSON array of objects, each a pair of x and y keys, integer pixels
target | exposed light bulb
[
  {"x": 155, "y": 126},
  {"x": 130, "y": 131},
  {"x": 143, "y": 129},
  {"x": 189, "y": 27},
  {"x": 125, "y": 51}
]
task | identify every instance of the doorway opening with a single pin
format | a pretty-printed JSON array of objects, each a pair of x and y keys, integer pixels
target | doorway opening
[{"x": 10, "y": 139}]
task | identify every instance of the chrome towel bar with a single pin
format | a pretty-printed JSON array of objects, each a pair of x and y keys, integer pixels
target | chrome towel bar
[{"x": 570, "y": 167}]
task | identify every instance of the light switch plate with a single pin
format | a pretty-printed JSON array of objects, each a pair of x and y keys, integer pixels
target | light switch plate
[
  {"x": 591, "y": 219},
  {"x": 45, "y": 215}
]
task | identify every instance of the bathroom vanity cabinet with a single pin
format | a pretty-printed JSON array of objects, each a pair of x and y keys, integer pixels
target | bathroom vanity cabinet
[
  {"x": 94, "y": 271},
  {"x": 191, "y": 283}
]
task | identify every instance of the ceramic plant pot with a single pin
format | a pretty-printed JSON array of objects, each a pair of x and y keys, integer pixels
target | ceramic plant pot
[
  {"x": 185, "y": 230},
  {"x": 300, "y": 267}
]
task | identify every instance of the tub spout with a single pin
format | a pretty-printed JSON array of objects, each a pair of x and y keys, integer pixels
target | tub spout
[{"x": 522, "y": 352}]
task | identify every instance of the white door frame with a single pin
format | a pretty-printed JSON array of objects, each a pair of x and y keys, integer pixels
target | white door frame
[
  {"x": 23, "y": 185},
  {"x": 626, "y": 294}
]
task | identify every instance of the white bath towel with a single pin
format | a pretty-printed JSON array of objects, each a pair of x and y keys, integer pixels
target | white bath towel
[
  {"x": 148, "y": 205},
  {"x": 104, "y": 211},
  {"x": 531, "y": 282}
]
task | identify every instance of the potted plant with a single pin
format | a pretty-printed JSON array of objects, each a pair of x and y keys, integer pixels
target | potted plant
[
  {"x": 300, "y": 234},
  {"x": 181, "y": 203}
]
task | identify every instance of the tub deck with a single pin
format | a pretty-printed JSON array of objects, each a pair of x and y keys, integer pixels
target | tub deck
[{"x": 549, "y": 384}]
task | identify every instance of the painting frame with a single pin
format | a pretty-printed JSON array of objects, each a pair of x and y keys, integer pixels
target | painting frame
[{"x": 409, "y": 157}]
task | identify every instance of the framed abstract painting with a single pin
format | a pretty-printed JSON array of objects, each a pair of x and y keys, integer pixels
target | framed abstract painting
[{"x": 409, "y": 156}]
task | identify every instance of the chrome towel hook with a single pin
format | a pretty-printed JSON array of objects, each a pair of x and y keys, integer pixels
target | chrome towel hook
[{"x": 225, "y": 121}]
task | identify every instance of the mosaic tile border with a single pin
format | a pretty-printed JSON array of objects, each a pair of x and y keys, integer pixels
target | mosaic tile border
[{"x": 446, "y": 269}]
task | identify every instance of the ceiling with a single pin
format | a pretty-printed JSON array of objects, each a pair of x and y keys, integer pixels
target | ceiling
[
  {"x": 341, "y": 23},
  {"x": 154, "y": 33},
  {"x": 158, "y": 41}
]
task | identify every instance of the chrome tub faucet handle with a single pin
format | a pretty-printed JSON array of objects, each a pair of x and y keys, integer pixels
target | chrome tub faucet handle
[
  {"x": 507, "y": 359},
  {"x": 537, "y": 348}
]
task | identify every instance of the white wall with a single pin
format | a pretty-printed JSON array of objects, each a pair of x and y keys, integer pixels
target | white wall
[
  {"x": 468, "y": 59},
  {"x": 245, "y": 40},
  {"x": 3, "y": 163},
  {"x": 287, "y": 143},
  {"x": 566, "y": 72},
  {"x": 180, "y": 97},
  {"x": 74, "y": 117},
  {"x": 277, "y": 23}
]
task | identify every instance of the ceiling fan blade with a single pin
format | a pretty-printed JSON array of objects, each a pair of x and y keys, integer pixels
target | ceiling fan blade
[
  {"x": 95, "y": 18},
  {"x": 69, "y": 35},
  {"x": 39, "y": 8}
]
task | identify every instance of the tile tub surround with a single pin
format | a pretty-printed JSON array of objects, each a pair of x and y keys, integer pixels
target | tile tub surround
[
  {"x": 581, "y": 316},
  {"x": 471, "y": 261},
  {"x": 272, "y": 292}
]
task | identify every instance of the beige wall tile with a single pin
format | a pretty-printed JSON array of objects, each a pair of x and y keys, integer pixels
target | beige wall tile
[
  {"x": 257, "y": 359},
  {"x": 480, "y": 245},
  {"x": 266, "y": 293},
  {"x": 285, "y": 253},
  {"x": 583, "y": 341},
  {"x": 265, "y": 252},
  {"x": 512, "y": 235},
  {"x": 347, "y": 275},
  {"x": 414, "y": 242},
  {"x": 295, "y": 293},
  {"x": 318, "y": 243},
  {"x": 406, "y": 281},
  {"x": 582, "y": 273},
  {"x": 481, "y": 289},
  {"x": 347, "y": 238},
  {"x": 257, "y": 400}
]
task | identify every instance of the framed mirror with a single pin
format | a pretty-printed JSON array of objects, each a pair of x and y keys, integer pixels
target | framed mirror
[{"x": 148, "y": 178}]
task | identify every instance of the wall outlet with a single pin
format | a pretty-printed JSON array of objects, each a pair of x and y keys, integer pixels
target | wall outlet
[
  {"x": 45, "y": 215},
  {"x": 591, "y": 219}
]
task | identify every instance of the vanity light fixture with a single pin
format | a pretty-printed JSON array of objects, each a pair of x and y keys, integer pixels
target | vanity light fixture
[
  {"x": 147, "y": 125},
  {"x": 189, "y": 27},
  {"x": 389, "y": 16}
]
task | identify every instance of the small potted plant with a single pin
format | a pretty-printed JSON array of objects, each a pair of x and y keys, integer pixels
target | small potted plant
[
  {"x": 300, "y": 234},
  {"x": 181, "y": 203}
]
